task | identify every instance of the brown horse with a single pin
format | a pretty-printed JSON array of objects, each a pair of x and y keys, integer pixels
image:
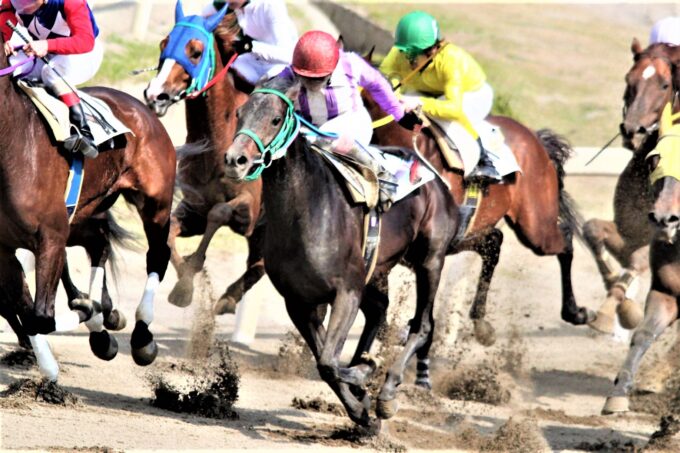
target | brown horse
[
  {"x": 34, "y": 174},
  {"x": 533, "y": 203},
  {"x": 209, "y": 200},
  {"x": 313, "y": 249},
  {"x": 661, "y": 309},
  {"x": 649, "y": 87}
]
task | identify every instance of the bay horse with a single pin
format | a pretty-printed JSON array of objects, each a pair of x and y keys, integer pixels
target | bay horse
[
  {"x": 34, "y": 171},
  {"x": 649, "y": 86},
  {"x": 661, "y": 308},
  {"x": 209, "y": 199},
  {"x": 534, "y": 204},
  {"x": 313, "y": 248}
]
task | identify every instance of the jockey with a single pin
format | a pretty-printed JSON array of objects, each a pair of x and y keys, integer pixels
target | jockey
[
  {"x": 450, "y": 84},
  {"x": 329, "y": 96},
  {"x": 268, "y": 36},
  {"x": 666, "y": 30},
  {"x": 65, "y": 31}
]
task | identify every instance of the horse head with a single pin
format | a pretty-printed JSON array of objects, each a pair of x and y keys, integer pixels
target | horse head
[
  {"x": 187, "y": 58},
  {"x": 652, "y": 82},
  {"x": 266, "y": 127}
]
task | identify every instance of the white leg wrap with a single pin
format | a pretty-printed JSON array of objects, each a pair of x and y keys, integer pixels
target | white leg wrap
[
  {"x": 247, "y": 312},
  {"x": 46, "y": 362},
  {"x": 96, "y": 284},
  {"x": 145, "y": 308},
  {"x": 66, "y": 322},
  {"x": 633, "y": 288},
  {"x": 95, "y": 323}
]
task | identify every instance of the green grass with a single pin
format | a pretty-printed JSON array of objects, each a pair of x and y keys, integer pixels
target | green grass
[
  {"x": 559, "y": 66},
  {"x": 121, "y": 57}
]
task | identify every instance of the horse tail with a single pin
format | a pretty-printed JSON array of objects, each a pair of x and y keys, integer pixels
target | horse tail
[
  {"x": 119, "y": 237},
  {"x": 559, "y": 150}
]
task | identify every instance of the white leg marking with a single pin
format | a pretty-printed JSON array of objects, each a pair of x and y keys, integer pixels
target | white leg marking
[
  {"x": 145, "y": 308},
  {"x": 46, "y": 362},
  {"x": 66, "y": 322},
  {"x": 96, "y": 322}
]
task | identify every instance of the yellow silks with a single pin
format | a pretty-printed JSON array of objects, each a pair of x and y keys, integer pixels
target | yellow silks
[{"x": 668, "y": 147}]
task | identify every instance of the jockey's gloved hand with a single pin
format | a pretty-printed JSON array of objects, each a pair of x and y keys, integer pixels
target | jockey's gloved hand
[
  {"x": 410, "y": 120},
  {"x": 243, "y": 45}
]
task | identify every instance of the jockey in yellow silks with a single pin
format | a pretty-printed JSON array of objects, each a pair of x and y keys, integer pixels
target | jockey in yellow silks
[{"x": 450, "y": 87}]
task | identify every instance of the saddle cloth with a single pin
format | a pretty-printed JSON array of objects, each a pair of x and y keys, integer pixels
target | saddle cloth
[
  {"x": 499, "y": 152},
  {"x": 103, "y": 123},
  {"x": 362, "y": 183}
]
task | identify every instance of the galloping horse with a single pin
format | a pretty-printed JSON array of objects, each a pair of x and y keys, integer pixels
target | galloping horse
[
  {"x": 534, "y": 204},
  {"x": 313, "y": 247},
  {"x": 650, "y": 87},
  {"x": 34, "y": 173},
  {"x": 661, "y": 309},
  {"x": 210, "y": 200}
]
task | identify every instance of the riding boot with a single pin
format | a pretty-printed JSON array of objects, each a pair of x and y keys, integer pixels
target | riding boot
[
  {"x": 485, "y": 170},
  {"x": 387, "y": 181},
  {"x": 82, "y": 140}
]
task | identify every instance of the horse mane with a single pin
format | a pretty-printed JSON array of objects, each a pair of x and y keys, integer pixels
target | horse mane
[
  {"x": 662, "y": 50},
  {"x": 227, "y": 31}
]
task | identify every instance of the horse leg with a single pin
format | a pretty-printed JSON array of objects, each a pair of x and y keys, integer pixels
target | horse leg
[
  {"x": 660, "y": 312},
  {"x": 310, "y": 325},
  {"x": 253, "y": 274},
  {"x": 603, "y": 239},
  {"x": 7, "y": 312},
  {"x": 420, "y": 335},
  {"x": 489, "y": 248},
  {"x": 155, "y": 214},
  {"x": 184, "y": 222}
]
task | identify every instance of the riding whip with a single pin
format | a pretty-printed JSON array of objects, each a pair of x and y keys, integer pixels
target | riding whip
[{"x": 603, "y": 148}]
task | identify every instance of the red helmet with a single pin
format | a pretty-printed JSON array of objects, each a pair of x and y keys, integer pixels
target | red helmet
[{"x": 316, "y": 54}]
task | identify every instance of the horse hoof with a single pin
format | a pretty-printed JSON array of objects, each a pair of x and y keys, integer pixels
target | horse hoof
[
  {"x": 84, "y": 306},
  {"x": 182, "y": 293},
  {"x": 144, "y": 348},
  {"x": 615, "y": 405},
  {"x": 630, "y": 314},
  {"x": 603, "y": 323},
  {"x": 386, "y": 409},
  {"x": 373, "y": 427},
  {"x": 103, "y": 345},
  {"x": 115, "y": 321},
  {"x": 425, "y": 383},
  {"x": 485, "y": 334},
  {"x": 226, "y": 305}
]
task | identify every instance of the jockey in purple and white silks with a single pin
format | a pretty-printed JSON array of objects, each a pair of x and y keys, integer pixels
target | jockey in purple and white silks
[
  {"x": 269, "y": 36},
  {"x": 65, "y": 32}
]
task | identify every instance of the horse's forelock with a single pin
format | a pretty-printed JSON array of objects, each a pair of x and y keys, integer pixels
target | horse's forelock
[{"x": 228, "y": 30}]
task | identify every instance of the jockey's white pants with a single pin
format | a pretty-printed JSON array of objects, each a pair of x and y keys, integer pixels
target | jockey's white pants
[
  {"x": 356, "y": 124},
  {"x": 476, "y": 106},
  {"x": 252, "y": 68},
  {"x": 76, "y": 69}
]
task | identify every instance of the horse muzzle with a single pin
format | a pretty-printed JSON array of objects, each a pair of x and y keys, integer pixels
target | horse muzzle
[
  {"x": 666, "y": 225},
  {"x": 158, "y": 104},
  {"x": 236, "y": 164}
]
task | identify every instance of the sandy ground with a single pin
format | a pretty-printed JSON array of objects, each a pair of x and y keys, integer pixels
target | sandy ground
[{"x": 557, "y": 375}]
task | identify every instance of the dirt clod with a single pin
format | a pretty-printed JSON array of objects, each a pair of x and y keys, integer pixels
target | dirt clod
[
  {"x": 318, "y": 405},
  {"x": 295, "y": 358},
  {"x": 19, "y": 358},
  {"x": 24, "y": 391},
  {"x": 479, "y": 383}
]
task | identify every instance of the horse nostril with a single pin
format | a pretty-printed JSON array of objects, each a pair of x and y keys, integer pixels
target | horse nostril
[
  {"x": 242, "y": 160},
  {"x": 163, "y": 97},
  {"x": 642, "y": 130},
  {"x": 672, "y": 219},
  {"x": 652, "y": 217}
]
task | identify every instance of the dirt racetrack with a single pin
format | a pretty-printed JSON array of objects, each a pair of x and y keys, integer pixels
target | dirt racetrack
[{"x": 545, "y": 380}]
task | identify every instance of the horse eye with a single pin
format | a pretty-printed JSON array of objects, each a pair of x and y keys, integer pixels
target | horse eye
[
  {"x": 276, "y": 121},
  {"x": 665, "y": 85},
  {"x": 196, "y": 54}
]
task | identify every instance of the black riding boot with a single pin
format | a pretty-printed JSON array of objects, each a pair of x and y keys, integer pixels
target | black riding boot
[
  {"x": 82, "y": 140},
  {"x": 485, "y": 171}
]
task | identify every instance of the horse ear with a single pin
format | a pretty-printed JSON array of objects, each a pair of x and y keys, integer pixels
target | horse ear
[
  {"x": 635, "y": 47},
  {"x": 293, "y": 91},
  {"x": 213, "y": 21},
  {"x": 369, "y": 56},
  {"x": 179, "y": 12},
  {"x": 341, "y": 42}
]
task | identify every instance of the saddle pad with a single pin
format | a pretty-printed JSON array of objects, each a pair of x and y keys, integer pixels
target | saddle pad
[{"x": 103, "y": 124}]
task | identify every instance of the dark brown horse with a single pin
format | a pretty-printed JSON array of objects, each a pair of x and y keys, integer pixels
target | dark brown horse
[
  {"x": 34, "y": 174},
  {"x": 661, "y": 309},
  {"x": 313, "y": 250},
  {"x": 210, "y": 201},
  {"x": 649, "y": 86},
  {"x": 533, "y": 203}
]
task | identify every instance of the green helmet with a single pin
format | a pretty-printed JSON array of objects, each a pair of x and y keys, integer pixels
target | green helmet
[{"x": 416, "y": 32}]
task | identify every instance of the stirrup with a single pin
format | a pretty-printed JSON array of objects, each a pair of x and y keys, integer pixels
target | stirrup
[{"x": 77, "y": 143}]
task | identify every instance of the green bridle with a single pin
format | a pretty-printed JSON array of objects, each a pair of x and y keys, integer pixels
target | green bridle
[{"x": 277, "y": 148}]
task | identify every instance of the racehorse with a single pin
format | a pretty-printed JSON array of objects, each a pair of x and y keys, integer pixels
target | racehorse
[
  {"x": 649, "y": 86},
  {"x": 313, "y": 247},
  {"x": 210, "y": 200},
  {"x": 34, "y": 173},
  {"x": 661, "y": 309},
  {"x": 534, "y": 204}
]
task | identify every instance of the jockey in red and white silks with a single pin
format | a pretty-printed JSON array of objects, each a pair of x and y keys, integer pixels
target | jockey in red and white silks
[
  {"x": 269, "y": 37},
  {"x": 65, "y": 32}
]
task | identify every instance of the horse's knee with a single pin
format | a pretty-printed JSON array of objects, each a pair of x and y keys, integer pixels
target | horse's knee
[
  {"x": 643, "y": 338},
  {"x": 328, "y": 372}
]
